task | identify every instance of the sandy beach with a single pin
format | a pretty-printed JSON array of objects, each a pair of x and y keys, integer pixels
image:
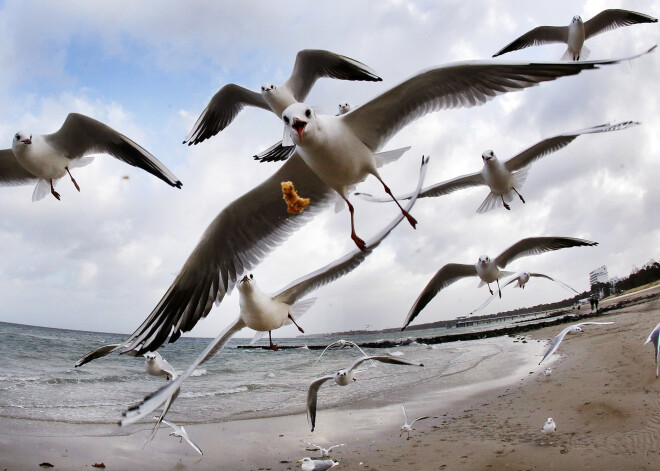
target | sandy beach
[{"x": 602, "y": 395}]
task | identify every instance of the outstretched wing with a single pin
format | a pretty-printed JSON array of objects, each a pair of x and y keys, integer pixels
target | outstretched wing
[
  {"x": 348, "y": 262},
  {"x": 221, "y": 111},
  {"x": 537, "y": 245},
  {"x": 101, "y": 352},
  {"x": 81, "y": 135},
  {"x": 383, "y": 359},
  {"x": 461, "y": 84},
  {"x": 560, "y": 283},
  {"x": 335, "y": 343},
  {"x": 553, "y": 144},
  {"x": 555, "y": 343},
  {"x": 275, "y": 153},
  {"x": 11, "y": 172},
  {"x": 312, "y": 396},
  {"x": 608, "y": 20},
  {"x": 444, "y": 277},
  {"x": 312, "y": 64},
  {"x": 237, "y": 239},
  {"x": 536, "y": 37}
]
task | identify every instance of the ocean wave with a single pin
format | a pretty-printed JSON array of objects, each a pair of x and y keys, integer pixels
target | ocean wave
[
  {"x": 104, "y": 379},
  {"x": 192, "y": 394},
  {"x": 199, "y": 372},
  {"x": 18, "y": 378}
]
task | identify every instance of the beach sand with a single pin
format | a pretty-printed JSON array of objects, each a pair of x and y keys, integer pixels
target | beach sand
[{"x": 603, "y": 395}]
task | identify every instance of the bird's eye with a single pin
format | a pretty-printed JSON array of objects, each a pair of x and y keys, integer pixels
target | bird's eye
[
  {"x": 251, "y": 276},
  {"x": 308, "y": 113},
  {"x": 286, "y": 120}
]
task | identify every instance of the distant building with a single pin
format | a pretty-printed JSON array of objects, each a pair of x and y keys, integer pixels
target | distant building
[{"x": 599, "y": 275}]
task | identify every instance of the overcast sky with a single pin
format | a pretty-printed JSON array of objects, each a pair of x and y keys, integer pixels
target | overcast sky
[{"x": 101, "y": 259}]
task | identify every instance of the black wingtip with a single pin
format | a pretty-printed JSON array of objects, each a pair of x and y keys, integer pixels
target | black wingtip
[
  {"x": 178, "y": 184},
  {"x": 183, "y": 142}
]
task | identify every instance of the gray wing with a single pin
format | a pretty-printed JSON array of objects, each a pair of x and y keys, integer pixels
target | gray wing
[
  {"x": 383, "y": 359},
  {"x": 348, "y": 262},
  {"x": 593, "y": 323},
  {"x": 168, "y": 393},
  {"x": 312, "y": 64},
  {"x": 537, "y": 245},
  {"x": 553, "y": 144},
  {"x": 169, "y": 369},
  {"x": 221, "y": 111},
  {"x": 439, "y": 189},
  {"x": 237, "y": 239},
  {"x": 444, "y": 277},
  {"x": 555, "y": 344},
  {"x": 312, "y": 396},
  {"x": 101, "y": 352},
  {"x": 81, "y": 135},
  {"x": 608, "y": 20},
  {"x": 536, "y": 37},
  {"x": 461, "y": 84},
  {"x": 335, "y": 343},
  {"x": 11, "y": 172},
  {"x": 655, "y": 338},
  {"x": 490, "y": 298},
  {"x": 560, "y": 283},
  {"x": 275, "y": 153},
  {"x": 190, "y": 442},
  {"x": 419, "y": 418}
]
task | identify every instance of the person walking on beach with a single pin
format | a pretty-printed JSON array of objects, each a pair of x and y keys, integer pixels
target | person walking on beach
[{"x": 592, "y": 301}]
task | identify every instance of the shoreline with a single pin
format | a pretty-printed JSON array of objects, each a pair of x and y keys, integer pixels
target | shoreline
[{"x": 605, "y": 390}]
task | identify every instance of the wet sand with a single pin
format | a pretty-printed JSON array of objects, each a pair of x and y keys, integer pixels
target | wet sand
[{"x": 603, "y": 394}]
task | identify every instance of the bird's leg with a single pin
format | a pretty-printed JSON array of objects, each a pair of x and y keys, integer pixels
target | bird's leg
[
  {"x": 491, "y": 291},
  {"x": 505, "y": 205},
  {"x": 519, "y": 195},
  {"x": 411, "y": 220},
  {"x": 401, "y": 434},
  {"x": 272, "y": 345},
  {"x": 72, "y": 179},
  {"x": 52, "y": 190},
  {"x": 294, "y": 323},
  {"x": 359, "y": 242},
  {"x": 498, "y": 287}
]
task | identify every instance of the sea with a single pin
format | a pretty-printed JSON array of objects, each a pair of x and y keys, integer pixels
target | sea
[{"x": 38, "y": 380}]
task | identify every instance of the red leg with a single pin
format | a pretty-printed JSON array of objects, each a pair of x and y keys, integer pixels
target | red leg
[
  {"x": 491, "y": 291},
  {"x": 52, "y": 190},
  {"x": 294, "y": 323},
  {"x": 272, "y": 345},
  {"x": 359, "y": 242},
  {"x": 505, "y": 205},
  {"x": 72, "y": 179},
  {"x": 411, "y": 220},
  {"x": 498, "y": 287}
]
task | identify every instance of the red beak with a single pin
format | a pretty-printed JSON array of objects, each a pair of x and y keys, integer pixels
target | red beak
[
  {"x": 244, "y": 279},
  {"x": 299, "y": 126},
  {"x": 26, "y": 141}
]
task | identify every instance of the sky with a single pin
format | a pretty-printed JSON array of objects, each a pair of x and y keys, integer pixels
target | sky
[{"x": 101, "y": 259}]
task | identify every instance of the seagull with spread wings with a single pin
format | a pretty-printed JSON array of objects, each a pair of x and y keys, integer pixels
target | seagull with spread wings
[
  {"x": 311, "y": 64},
  {"x": 489, "y": 270},
  {"x": 577, "y": 32},
  {"x": 504, "y": 179},
  {"x": 571, "y": 329},
  {"x": 45, "y": 158}
]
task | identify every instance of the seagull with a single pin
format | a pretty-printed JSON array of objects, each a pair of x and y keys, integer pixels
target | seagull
[
  {"x": 547, "y": 372},
  {"x": 45, "y": 158},
  {"x": 407, "y": 427},
  {"x": 340, "y": 149},
  {"x": 262, "y": 312},
  {"x": 505, "y": 179},
  {"x": 311, "y": 64},
  {"x": 156, "y": 365},
  {"x": 577, "y": 32},
  {"x": 309, "y": 464},
  {"x": 571, "y": 329},
  {"x": 325, "y": 452},
  {"x": 549, "y": 427},
  {"x": 343, "y": 378},
  {"x": 489, "y": 270},
  {"x": 522, "y": 280},
  {"x": 182, "y": 434},
  {"x": 341, "y": 343},
  {"x": 653, "y": 337}
]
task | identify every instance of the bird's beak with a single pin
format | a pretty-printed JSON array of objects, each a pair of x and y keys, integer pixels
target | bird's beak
[
  {"x": 245, "y": 279},
  {"x": 299, "y": 126},
  {"x": 27, "y": 142},
  {"x": 299, "y": 461}
]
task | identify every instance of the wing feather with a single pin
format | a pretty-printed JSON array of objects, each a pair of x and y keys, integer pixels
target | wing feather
[
  {"x": 537, "y": 245},
  {"x": 536, "y": 37},
  {"x": 608, "y": 20}
]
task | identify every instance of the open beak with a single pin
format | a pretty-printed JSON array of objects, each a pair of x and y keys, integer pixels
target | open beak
[
  {"x": 26, "y": 142},
  {"x": 299, "y": 126},
  {"x": 245, "y": 279}
]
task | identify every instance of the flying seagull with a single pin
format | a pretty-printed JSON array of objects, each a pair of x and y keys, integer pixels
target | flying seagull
[
  {"x": 340, "y": 149},
  {"x": 311, "y": 64},
  {"x": 505, "y": 179},
  {"x": 653, "y": 337},
  {"x": 344, "y": 378},
  {"x": 341, "y": 343},
  {"x": 407, "y": 427},
  {"x": 522, "y": 279},
  {"x": 45, "y": 158},
  {"x": 577, "y": 32},
  {"x": 571, "y": 329},
  {"x": 180, "y": 431},
  {"x": 489, "y": 270},
  {"x": 308, "y": 464},
  {"x": 262, "y": 312},
  {"x": 325, "y": 452}
]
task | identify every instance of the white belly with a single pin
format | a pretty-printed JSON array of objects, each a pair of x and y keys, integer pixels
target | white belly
[
  {"x": 41, "y": 160},
  {"x": 575, "y": 38},
  {"x": 498, "y": 178},
  {"x": 262, "y": 313},
  {"x": 488, "y": 273}
]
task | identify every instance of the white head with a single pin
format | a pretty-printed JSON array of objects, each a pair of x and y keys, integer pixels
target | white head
[
  {"x": 345, "y": 107},
  {"x": 549, "y": 421},
  {"x": 484, "y": 259},
  {"x": 21, "y": 138},
  {"x": 246, "y": 283},
  {"x": 298, "y": 119},
  {"x": 547, "y": 372},
  {"x": 576, "y": 19},
  {"x": 576, "y": 329},
  {"x": 151, "y": 356},
  {"x": 488, "y": 157},
  {"x": 267, "y": 88}
]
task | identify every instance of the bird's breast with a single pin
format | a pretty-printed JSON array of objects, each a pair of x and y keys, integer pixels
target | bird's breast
[
  {"x": 41, "y": 160},
  {"x": 488, "y": 272},
  {"x": 261, "y": 313},
  {"x": 498, "y": 178},
  {"x": 575, "y": 37}
]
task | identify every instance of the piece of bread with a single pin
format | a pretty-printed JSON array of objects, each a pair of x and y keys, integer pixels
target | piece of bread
[{"x": 294, "y": 203}]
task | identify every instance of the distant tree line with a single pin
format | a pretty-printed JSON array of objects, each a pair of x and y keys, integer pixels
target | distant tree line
[{"x": 649, "y": 273}]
